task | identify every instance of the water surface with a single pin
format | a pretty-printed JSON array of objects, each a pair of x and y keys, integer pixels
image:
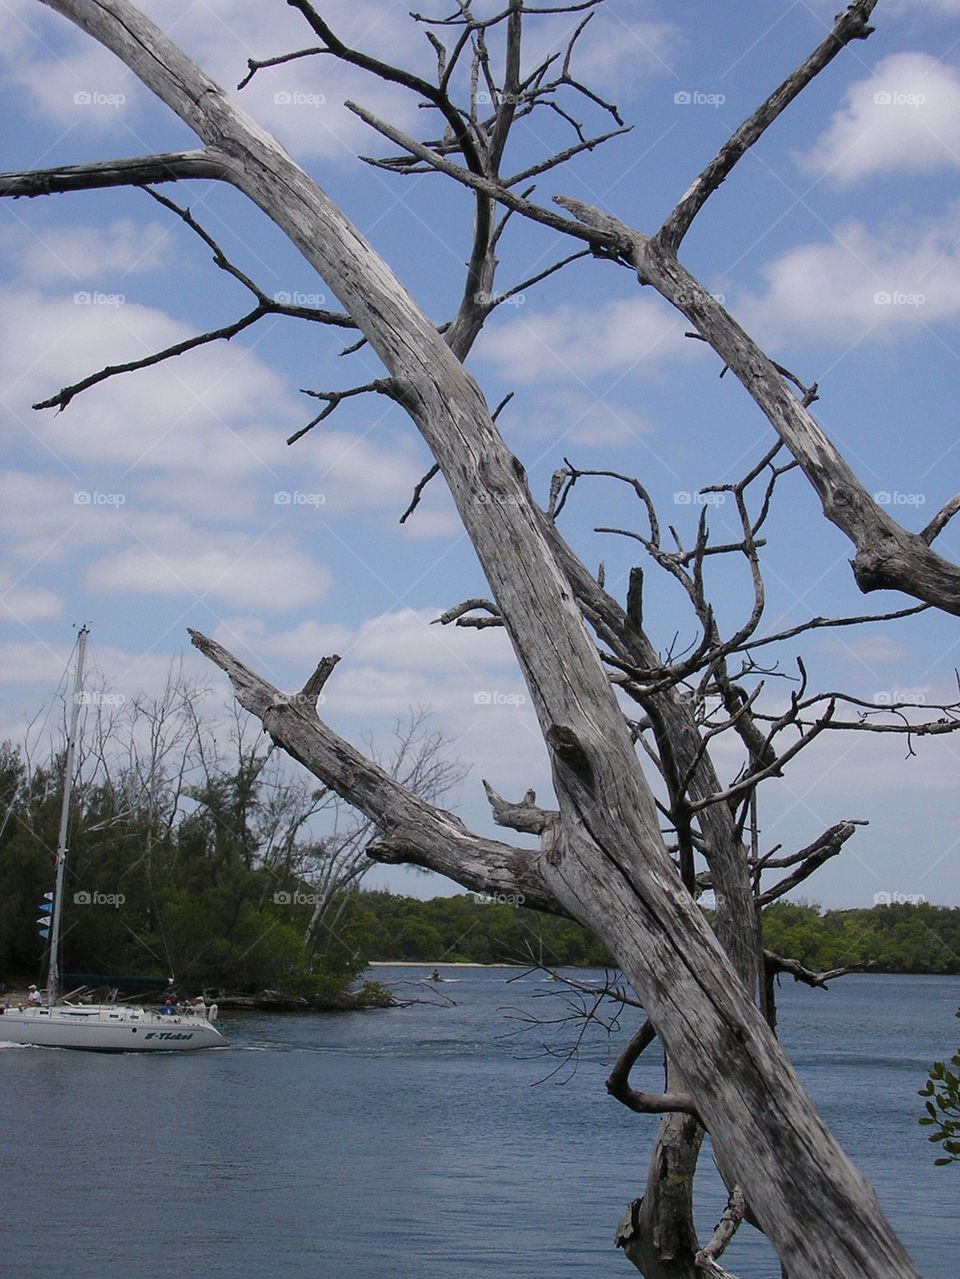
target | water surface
[{"x": 414, "y": 1142}]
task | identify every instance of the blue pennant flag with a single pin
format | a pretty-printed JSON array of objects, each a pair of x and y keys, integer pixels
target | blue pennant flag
[
  {"x": 45, "y": 907},
  {"x": 44, "y": 933}
]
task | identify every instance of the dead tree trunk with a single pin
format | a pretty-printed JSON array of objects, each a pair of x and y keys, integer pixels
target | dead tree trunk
[{"x": 608, "y": 868}]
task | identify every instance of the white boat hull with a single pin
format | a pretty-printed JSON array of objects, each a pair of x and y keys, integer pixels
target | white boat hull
[{"x": 108, "y": 1028}]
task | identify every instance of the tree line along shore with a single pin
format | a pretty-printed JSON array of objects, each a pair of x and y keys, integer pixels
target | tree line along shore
[
  {"x": 217, "y": 884},
  {"x": 381, "y": 927}
]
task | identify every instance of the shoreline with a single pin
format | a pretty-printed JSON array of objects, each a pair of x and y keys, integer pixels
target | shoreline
[{"x": 440, "y": 963}]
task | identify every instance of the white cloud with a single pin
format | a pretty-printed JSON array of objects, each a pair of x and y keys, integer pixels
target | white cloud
[
  {"x": 616, "y": 50},
  {"x": 578, "y": 418},
  {"x": 68, "y": 78},
  {"x": 865, "y": 649},
  {"x": 403, "y": 639},
  {"x": 861, "y": 283},
  {"x": 301, "y": 646},
  {"x": 174, "y": 558},
  {"x": 22, "y": 603},
  {"x": 398, "y": 660},
  {"x": 206, "y": 429},
  {"x": 89, "y": 253},
  {"x": 45, "y": 519},
  {"x": 376, "y": 469},
  {"x": 206, "y": 409},
  {"x": 577, "y": 342},
  {"x": 74, "y": 82},
  {"x": 905, "y": 117}
]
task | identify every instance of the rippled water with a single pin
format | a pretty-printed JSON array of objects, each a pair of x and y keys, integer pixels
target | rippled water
[{"x": 413, "y": 1142}]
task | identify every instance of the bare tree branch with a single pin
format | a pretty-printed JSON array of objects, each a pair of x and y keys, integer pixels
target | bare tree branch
[
  {"x": 523, "y": 816},
  {"x": 412, "y": 830},
  {"x": 417, "y": 492},
  {"x": 172, "y": 167},
  {"x": 849, "y": 25},
  {"x": 778, "y": 964},
  {"x": 810, "y": 859},
  {"x": 729, "y": 1223}
]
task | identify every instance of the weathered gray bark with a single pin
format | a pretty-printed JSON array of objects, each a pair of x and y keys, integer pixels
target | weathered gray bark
[
  {"x": 609, "y": 868},
  {"x": 887, "y": 555},
  {"x": 657, "y": 1232}
]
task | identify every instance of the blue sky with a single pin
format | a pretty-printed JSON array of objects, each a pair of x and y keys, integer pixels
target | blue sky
[{"x": 835, "y": 242}]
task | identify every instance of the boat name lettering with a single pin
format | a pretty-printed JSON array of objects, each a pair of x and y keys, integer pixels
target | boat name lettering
[{"x": 168, "y": 1034}]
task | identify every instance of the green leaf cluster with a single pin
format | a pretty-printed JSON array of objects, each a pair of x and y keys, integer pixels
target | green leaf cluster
[
  {"x": 466, "y": 928},
  {"x": 899, "y": 938},
  {"x": 194, "y": 897},
  {"x": 942, "y": 1107}
]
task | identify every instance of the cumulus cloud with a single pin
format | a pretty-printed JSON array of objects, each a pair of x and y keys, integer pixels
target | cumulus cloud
[
  {"x": 205, "y": 410},
  {"x": 398, "y": 660},
  {"x": 349, "y": 467},
  {"x": 579, "y": 418},
  {"x": 24, "y": 604},
  {"x": 905, "y": 117},
  {"x": 242, "y": 569},
  {"x": 75, "y": 83},
  {"x": 88, "y": 253},
  {"x": 206, "y": 430},
  {"x": 617, "y": 49},
  {"x": 861, "y": 283},
  {"x": 45, "y": 519},
  {"x": 576, "y": 342}
]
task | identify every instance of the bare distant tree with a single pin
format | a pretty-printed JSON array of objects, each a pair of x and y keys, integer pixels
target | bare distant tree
[{"x": 602, "y": 857}]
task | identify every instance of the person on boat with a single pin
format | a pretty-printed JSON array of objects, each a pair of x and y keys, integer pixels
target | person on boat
[
  {"x": 166, "y": 1008},
  {"x": 33, "y": 996}
]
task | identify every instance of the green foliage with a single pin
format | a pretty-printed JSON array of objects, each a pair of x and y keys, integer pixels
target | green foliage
[
  {"x": 900, "y": 938},
  {"x": 465, "y": 929},
  {"x": 193, "y": 897},
  {"x": 942, "y": 1091},
  {"x": 373, "y": 994},
  {"x": 213, "y": 884}
]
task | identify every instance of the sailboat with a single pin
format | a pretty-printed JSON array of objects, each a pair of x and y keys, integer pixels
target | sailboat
[{"x": 53, "y": 1021}]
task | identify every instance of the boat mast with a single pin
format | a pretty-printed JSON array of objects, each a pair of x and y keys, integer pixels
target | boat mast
[{"x": 53, "y": 979}]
